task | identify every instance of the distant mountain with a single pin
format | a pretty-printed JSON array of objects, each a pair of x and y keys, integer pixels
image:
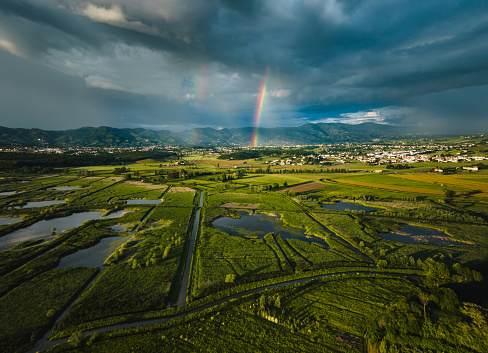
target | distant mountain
[{"x": 112, "y": 137}]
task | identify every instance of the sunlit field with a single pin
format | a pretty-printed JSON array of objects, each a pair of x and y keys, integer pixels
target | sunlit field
[{"x": 345, "y": 278}]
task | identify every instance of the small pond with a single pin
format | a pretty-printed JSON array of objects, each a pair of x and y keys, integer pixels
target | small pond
[
  {"x": 259, "y": 225},
  {"x": 8, "y": 220},
  {"x": 415, "y": 235},
  {"x": 42, "y": 229},
  {"x": 143, "y": 202},
  {"x": 65, "y": 188},
  {"x": 119, "y": 228},
  {"x": 342, "y": 206},
  {"x": 94, "y": 256},
  {"x": 33, "y": 204},
  {"x": 7, "y": 193}
]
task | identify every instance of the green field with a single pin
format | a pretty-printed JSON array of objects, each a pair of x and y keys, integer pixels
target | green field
[{"x": 376, "y": 280}]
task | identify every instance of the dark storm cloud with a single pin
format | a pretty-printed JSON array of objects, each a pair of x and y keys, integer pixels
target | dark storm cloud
[
  {"x": 33, "y": 95},
  {"x": 361, "y": 54},
  {"x": 40, "y": 28}
]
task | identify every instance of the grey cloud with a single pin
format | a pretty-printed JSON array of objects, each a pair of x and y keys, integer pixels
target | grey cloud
[
  {"x": 33, "y": 95},
  {"x": 372, "y": 53}
]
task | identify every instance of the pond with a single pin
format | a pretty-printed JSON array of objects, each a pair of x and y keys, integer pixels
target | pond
[
  {"x": 415, "y": 235},
  {"x": 33, "y": 204},
  {"x": 42, "y": 229},
  {"x": 342, "y": 206},
  {"x": 142, "y": 202},
  {"x": 251, "y": 225},
  {"x": 94, "y": 256},
  {"x": 65, "y": 188},
  {"x": 7, "y": 193},
  {"x": 8, "y": 220},
  {"x": 119, "y": 228}
]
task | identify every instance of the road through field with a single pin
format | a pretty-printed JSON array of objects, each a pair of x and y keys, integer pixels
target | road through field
[
  {"x": 186, "y": 275},
  {"x": 44, "y": 340},
  {"x": 44, "y": 344}
]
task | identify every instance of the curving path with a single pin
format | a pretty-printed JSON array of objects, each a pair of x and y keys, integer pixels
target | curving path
[{"x": 45, "y": 344}]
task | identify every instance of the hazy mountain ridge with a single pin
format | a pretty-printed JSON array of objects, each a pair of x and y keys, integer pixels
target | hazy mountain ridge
[{"x": 104, "y": 136}]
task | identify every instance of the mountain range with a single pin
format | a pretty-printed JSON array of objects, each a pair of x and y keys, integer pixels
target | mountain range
[{"x": 308, "y": 134}]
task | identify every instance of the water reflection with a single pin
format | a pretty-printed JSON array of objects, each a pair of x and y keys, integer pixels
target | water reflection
[
  {"x": 9, "y": 220},
  {"x": 142, "y": 202},
  {"x": 34, "y": 204},
  {"x": 7, "y": 193},
  {"x": 258, "y": 225},
  {"x": 415, "y": 235},
  {"x": 44, "y": 229},
  {"x": 94, "y": 256},
  {"x": 342, "y": 206}
]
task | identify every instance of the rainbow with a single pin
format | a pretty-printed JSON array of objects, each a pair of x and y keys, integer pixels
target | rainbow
[
  {"x": 201, "y": 94},
  {"x": 201, "y": 83},
  {"x": 259, "y": 108}
]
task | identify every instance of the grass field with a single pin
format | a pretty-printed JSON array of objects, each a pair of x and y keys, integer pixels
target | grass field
[
  {"x": 265, "y": 201},
  {"x": 380, "y": 185},
  {"x": 328, "y": 315},
  {"x": 33, "y": 306},
  {"x": 144, "y": 275},
  {"x": 144, "y": 279},
  {"x": 476, "y": 185}
]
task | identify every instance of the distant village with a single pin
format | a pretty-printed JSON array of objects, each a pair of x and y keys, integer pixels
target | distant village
[{"x": 372, "y": 154}]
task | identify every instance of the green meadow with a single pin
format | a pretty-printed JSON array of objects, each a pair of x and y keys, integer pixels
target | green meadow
[{"x": 341, "y": 286}]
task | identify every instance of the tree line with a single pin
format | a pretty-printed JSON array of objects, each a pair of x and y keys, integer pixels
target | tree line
[{"x": 31, "y": 162}]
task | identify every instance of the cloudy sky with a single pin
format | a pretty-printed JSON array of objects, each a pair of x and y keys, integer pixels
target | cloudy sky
[{"x": 177, "y": 64}]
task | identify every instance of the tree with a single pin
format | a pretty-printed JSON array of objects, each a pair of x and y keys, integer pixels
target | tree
[
  {"x": 477, "y": 276},
  {"x": 76, "y": 338},
  {"x": 437, "y": 273},
  {"x": 425, "y": 300},
  {"x": 448, "y": 300},
  {"x": 449, "y": 194},
  {"x": 166, "y": 251},
  {"x": 277, "y": 302},
  {"x": 263, "y": 302},
  {"x": 230, "y": 278}
]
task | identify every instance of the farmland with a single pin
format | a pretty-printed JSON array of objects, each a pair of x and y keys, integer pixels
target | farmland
[
  {"x": 306, "y": 187},
  {"x": 301, "y": 276},
  {"x": 471, "y": 184}
]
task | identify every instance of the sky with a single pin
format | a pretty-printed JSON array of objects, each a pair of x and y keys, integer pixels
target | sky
[{"x": 179, "y": 64}]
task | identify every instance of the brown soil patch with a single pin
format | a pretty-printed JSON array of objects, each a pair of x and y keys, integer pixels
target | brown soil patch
[
  {"x": 146, "y": 185},
  {"x": 307, "y": 187},
  {"x": 176, "y": 189}
]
